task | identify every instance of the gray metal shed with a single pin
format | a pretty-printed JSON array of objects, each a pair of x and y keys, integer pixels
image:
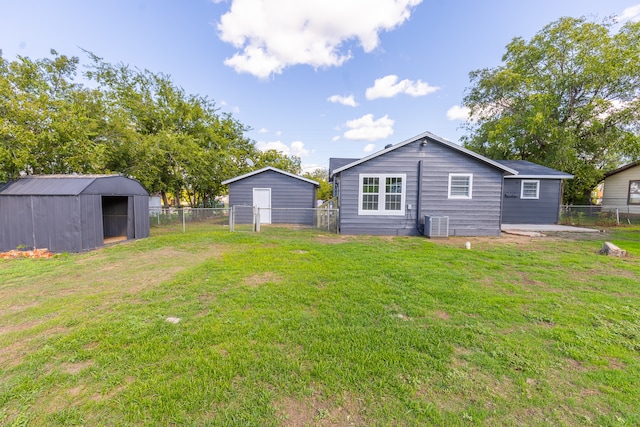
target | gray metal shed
[
  {"x": 282, "y": 197},
  {"x": 71, "y": 213},
  {"x": 534, "y": 195}
]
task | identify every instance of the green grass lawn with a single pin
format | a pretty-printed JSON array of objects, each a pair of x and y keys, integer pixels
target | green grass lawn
[{"x": 292, "y": 328}]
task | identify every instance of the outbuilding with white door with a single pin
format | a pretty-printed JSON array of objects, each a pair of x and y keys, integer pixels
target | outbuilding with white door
[{"x": 281, "y": 197}]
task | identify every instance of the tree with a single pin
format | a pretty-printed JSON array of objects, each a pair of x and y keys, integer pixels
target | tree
[
  {"x": 321, "y": 175},
  {"x": 568, "y": 99},
  {"x": 278, "y": 160},
  {"x": 48, "y": 123},
  {"x": 171, "y": 141}
]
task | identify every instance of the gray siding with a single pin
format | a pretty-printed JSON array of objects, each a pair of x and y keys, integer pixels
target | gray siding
[
  {"x": 544, "y": 210},
  {"x": 68, "y": 223},
  {"x": 286, "y": 192},
  {"x": 477, "y": 216},
  {"x": 51, "y": 222}
]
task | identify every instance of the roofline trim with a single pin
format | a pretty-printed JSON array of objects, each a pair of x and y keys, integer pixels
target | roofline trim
[
  {"x": 269, "y": 168},
  {"x": 565, "y": 176},
  {"x": 437, "y": 139},
  {"x": 622, "y": 168}
]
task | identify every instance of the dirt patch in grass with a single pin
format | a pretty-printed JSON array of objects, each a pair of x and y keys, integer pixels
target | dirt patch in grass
[
  {"x": 314, "y": 411},
  {"x": 442, "y": 315},
  {"x": 76, "y": 367},
  {"x": 256, "y": 280},
  {"x": 333, "y": 239}
]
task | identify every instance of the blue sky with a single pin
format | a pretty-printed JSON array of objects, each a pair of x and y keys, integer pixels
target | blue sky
[{"x": 313, "y": 78}]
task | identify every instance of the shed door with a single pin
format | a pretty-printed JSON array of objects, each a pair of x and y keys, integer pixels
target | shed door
[{"x": 262, "y": 200}]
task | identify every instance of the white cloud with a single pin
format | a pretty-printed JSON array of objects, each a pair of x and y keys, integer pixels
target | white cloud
[
  {"x": 263, "y": 130},
  {"x": 271, "y": 35},
  {"x": 296, "y": 148},
  {"x": 630, "y": 14},
  {"x": 344, "y": 100},
  {"x": 458, "y": 113},
  {"x": 369, "y": 148},
  {"x": 389, "y": 86},
  {"x": 367, "y": 129},
  {"x": 336, "y": 138}
]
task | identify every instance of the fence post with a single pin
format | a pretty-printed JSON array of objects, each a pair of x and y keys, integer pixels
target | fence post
[
  {"x": 256, "y": 219},
  {"x": 184, "y": 224}
]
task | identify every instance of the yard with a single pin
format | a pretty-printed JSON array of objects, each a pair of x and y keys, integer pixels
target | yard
[{"x": 297, "y": 327}]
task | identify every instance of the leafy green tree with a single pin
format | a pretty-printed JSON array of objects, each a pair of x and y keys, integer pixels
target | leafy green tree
[
  {"x": 321, "y": 175},
  {"x": 278, "y": 160},
  {"x": 569, "y": 99},
  {"x": 48, "y": 123},
  {"x": 171, "y": 141}
]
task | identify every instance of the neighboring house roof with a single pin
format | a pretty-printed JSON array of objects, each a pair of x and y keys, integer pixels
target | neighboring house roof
[
  {"x": 269, "y": 168},
  {"x": 528, "y": 170},
  {"x": 623, "y": 168},
  {"x": 53, "y": 185},
  {"x": 425, "y": 136}
]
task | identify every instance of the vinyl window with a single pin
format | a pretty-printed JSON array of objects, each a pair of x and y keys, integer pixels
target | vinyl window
[
  {"x": 460, "y": 185},
  {"x": 382, "y": 194},
  {"x": 634, "y": 192},
  {"x": 530, "y": 189}
]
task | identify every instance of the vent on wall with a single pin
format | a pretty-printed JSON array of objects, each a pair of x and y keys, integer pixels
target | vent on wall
[{"x": 436, "y": 226}]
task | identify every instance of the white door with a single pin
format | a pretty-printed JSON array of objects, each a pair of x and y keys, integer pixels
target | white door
[{"x": 262, "y": 200}]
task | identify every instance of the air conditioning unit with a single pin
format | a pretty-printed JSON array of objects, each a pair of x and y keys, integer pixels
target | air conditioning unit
[{"x": 436, "y": 226}]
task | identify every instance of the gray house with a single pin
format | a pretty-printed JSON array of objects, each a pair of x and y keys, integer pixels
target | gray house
[
  {"x": 282, "y": 197},
  {"x": 71, "y": 213},
  {"x": 534, "y": 195},
  {"x": 411, "y": 187}
]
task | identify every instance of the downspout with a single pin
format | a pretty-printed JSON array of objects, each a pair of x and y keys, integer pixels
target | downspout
[{"x": 419, "y": 226}]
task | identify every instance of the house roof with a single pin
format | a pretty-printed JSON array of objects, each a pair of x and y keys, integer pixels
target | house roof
[
  {"x": 338, "y": 162},
  {"x": 59, "y": 185},
  {"x": 432, "y": 137},
  {"x": 528, "y": 170},
  {"x": 623, "y": 168},
  {"x": 269, "y": 168}
]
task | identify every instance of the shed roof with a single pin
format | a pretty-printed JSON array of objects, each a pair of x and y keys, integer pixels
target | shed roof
[
  {"x": 531, "y": 170},
  {"x": 270, "y": 168},
  {"x": 428, "y": 136},
  {"x": 623, "y": 168},
  {"x": 72, "y": 185}
]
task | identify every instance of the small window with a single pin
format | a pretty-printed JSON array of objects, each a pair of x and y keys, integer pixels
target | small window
[
  {"x": 634, "y": 192},
  {"x": 460, "y": 185},
  {"x": 530, "y": 189},
  {"x": 382, "y": 194}
]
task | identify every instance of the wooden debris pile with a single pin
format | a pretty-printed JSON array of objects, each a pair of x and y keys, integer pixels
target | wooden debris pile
[{"x": 36, "y": 253}]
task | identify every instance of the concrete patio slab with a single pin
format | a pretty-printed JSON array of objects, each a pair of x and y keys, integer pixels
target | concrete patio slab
[{"x": 530, "y": 229}]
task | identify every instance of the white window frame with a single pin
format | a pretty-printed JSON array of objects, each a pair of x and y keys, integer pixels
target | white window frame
[
  {"x": 470, "y": 192},
  {"x": 382, "y": 193},
  {"x": 529, "y": 181}
]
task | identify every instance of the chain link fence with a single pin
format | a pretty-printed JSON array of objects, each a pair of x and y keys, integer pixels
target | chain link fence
[
  {"x": 249, "y": 218},
  {"x": 182, "y": 218},
  {"x": 610, "y": 212},
  {"x": 244, "y": 218}
]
